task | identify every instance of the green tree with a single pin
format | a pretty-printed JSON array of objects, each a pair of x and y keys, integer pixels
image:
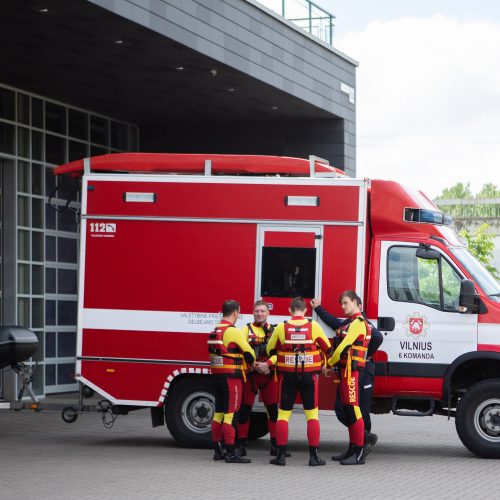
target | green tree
[
  {"x": 481, "y": 245},
  {"x": 489, "y": 190},
  {"x": 459, "y": 191}
]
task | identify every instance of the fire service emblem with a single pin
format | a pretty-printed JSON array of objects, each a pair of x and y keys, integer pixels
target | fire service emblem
[{"x": 416, "y": 325}]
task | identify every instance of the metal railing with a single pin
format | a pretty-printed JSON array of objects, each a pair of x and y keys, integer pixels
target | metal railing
[
  {"x": 475, "y": 208},
  {"x": 305, "y": 14}
]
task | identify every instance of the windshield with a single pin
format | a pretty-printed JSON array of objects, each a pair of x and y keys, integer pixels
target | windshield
[{"x": 481, "y": 276}]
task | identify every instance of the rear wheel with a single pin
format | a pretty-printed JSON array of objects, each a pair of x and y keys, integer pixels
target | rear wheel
[
  {"x": 478, "y": 419},
  {"x": 189, "y": 411}
]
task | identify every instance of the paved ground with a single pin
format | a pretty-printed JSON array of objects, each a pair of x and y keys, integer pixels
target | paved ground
[{"x": 44, "y": 458}]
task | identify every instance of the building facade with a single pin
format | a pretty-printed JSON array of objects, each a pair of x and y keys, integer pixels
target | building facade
[{"x": 91, "y": 77}]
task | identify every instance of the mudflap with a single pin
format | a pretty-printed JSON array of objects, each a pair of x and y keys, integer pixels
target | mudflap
[{"x": 157, "y": 416}]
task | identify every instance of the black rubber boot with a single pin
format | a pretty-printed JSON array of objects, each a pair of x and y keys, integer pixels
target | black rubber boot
[
  {"x": 314, "y": 457},
  {"x": 357, "y": 457},
  {"x": 233, "y": 458},
  {"x": 343, "y": 456},
  {"x": 274, "y": 449},
  {"x": 241, "y": 447},
  {"x": 219, "y": 453},
  {"x": 370, "y": 442},
  {"x": 280, "y": 457}
]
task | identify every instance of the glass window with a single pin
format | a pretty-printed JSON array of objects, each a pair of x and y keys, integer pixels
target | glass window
[
  {"x": 23, "y": 278},
  {"x": 36, "y": 145},
  {"x": 432, "y": 282},
  {"x": 50, "y": 181},
  {"x": 99, "y": 130},
  {"x": 37, "y": 112},
  {"x": 50, "y": 344},
  {"x": 55, "y": 149},
  {"x": 37, "y": 212},
  {"x": 23, "y": 109},
  {"x": 55, "y": 118},
  {"x": 7, "y": 138},
  {"x": 77, "y": 150},
  {"x": 66, "y": 312},
  {"x": 98, "y": 151},
  {"x": 37, "y": 313},
  {"x": 37, "y": 280},
  {"x": 37, "y": 179},
  {"x": 66, "y": 344},
  {"x": 23, "y": 177},
  {"x": 50, "y": 248},
  {"x": 37, "y": 246},
  {"x": 451, "y": 287},
  {"x": 66, "y": 221},
  {"x": 66, "y": 250},
  {"x": 78, "y": 124},
  {"x": 50, "y": 280},
  {"x": 66, "y": 373},
  {"x": 66, "y": 281},
  {"x": 23, "y": 142},
  {"x": 7, "y": 104},
  {"x": 50, "y": 312},
  {"x": 38, "y": 354},
  {"x": 288, "y": 272},
  {"x": 50, "y": 374},
  {"x": 23, "y": 218},
  {"x": 50, "y": 217},
  {"x": 23, "y": 312},
  {"x": 23, "y": 244},
  {"x": 119, "y": 135}
]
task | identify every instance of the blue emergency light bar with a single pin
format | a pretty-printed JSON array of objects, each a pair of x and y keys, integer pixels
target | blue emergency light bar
[{"x": 427, "y": 217}]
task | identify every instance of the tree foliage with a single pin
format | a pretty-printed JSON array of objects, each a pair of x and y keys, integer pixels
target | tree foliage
[{"x": 481, "y": 245}]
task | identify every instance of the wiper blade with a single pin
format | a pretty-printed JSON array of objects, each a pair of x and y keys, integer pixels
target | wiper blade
[{"x": 494, "y": 294}]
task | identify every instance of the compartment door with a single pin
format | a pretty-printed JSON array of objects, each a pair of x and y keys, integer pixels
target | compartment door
[{"x": 288, "y": 265}]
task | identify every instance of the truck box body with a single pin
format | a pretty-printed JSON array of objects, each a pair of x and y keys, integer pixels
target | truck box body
[{"x": 165, "y": 239}]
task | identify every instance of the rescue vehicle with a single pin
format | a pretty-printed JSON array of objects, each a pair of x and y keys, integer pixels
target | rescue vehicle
[{"x": 166, "y": 238}]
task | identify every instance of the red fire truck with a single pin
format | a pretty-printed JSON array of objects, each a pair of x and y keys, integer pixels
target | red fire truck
[{"x": 166, "y": 238}]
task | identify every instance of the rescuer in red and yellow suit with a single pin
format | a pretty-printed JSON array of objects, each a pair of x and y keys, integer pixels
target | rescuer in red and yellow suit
[
  {"x": 349, "y": 356},
  {"x": 260, "y": 379},
  {"x": 300, "y": 345},
  {"x": 230, "y": 356}
]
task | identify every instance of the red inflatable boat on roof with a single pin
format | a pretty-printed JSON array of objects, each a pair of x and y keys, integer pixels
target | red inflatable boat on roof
[{"x": 196, "y": 164}]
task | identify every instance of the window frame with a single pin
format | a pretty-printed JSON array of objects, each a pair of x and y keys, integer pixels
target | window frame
[{"x": 440, "y": 277}]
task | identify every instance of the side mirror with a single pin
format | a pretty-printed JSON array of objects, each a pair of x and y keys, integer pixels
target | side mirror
[
  {"x": 469, "y": 299},
  {"x": 424, "y": 252}
]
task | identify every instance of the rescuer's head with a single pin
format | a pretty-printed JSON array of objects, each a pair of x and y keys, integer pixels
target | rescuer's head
[
  {"x": 260, "y": 312},
  {"x": 231, "y": 310},
  {"x": 350, "y": 302},
  {"x": 298, "y": 307}
]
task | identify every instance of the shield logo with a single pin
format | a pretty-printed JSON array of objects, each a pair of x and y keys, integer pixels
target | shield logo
[{"x": 416, "y": 325}]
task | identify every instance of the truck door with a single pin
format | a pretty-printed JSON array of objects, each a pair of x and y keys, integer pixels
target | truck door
[
  {"x": 288, "y": 265},
  {"x": 420, "y": 291}
]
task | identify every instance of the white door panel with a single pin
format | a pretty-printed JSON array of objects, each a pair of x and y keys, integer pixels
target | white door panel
[{"x": 422, "y": 333}]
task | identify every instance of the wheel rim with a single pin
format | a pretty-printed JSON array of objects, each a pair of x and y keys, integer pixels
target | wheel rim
[
  {"x": 487, "y": 420},
  {"x": 197, "y": 411}
]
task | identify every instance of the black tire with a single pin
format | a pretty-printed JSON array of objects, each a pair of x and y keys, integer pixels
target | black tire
[
  {"x": 69, "y": 414},
  {"x": 478, "y": 419},
  {"x": 87, "y": 391},
  {"x": 189, "y": 411},
  {"x": 258, "y": 425}
]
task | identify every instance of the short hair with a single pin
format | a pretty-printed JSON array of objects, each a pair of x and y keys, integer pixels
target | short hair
[
  {"x": 261, "y": 303},
  {"x": 229, "y": 307},
  {"x": 352, "y": 295},
  {"x": 298, "y": 304}
]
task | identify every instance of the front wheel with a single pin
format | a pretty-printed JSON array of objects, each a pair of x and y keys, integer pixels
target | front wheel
[
  {"x": 478, "y": 419},
  {"x": 189, "y": 411}
]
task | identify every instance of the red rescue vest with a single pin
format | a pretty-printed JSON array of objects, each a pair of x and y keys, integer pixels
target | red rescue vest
[
  {"x": 223, "y": 360},
  {"x": 259, "y": 343},
  {"x": 355, "y": 355},
  {"x": 299, "y": 354}
]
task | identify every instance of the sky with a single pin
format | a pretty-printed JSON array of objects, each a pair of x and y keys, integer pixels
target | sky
[{"x": 428, "y": 89}]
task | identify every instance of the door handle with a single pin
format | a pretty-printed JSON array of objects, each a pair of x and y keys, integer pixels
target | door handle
[{"x": 386, "y": 324}]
